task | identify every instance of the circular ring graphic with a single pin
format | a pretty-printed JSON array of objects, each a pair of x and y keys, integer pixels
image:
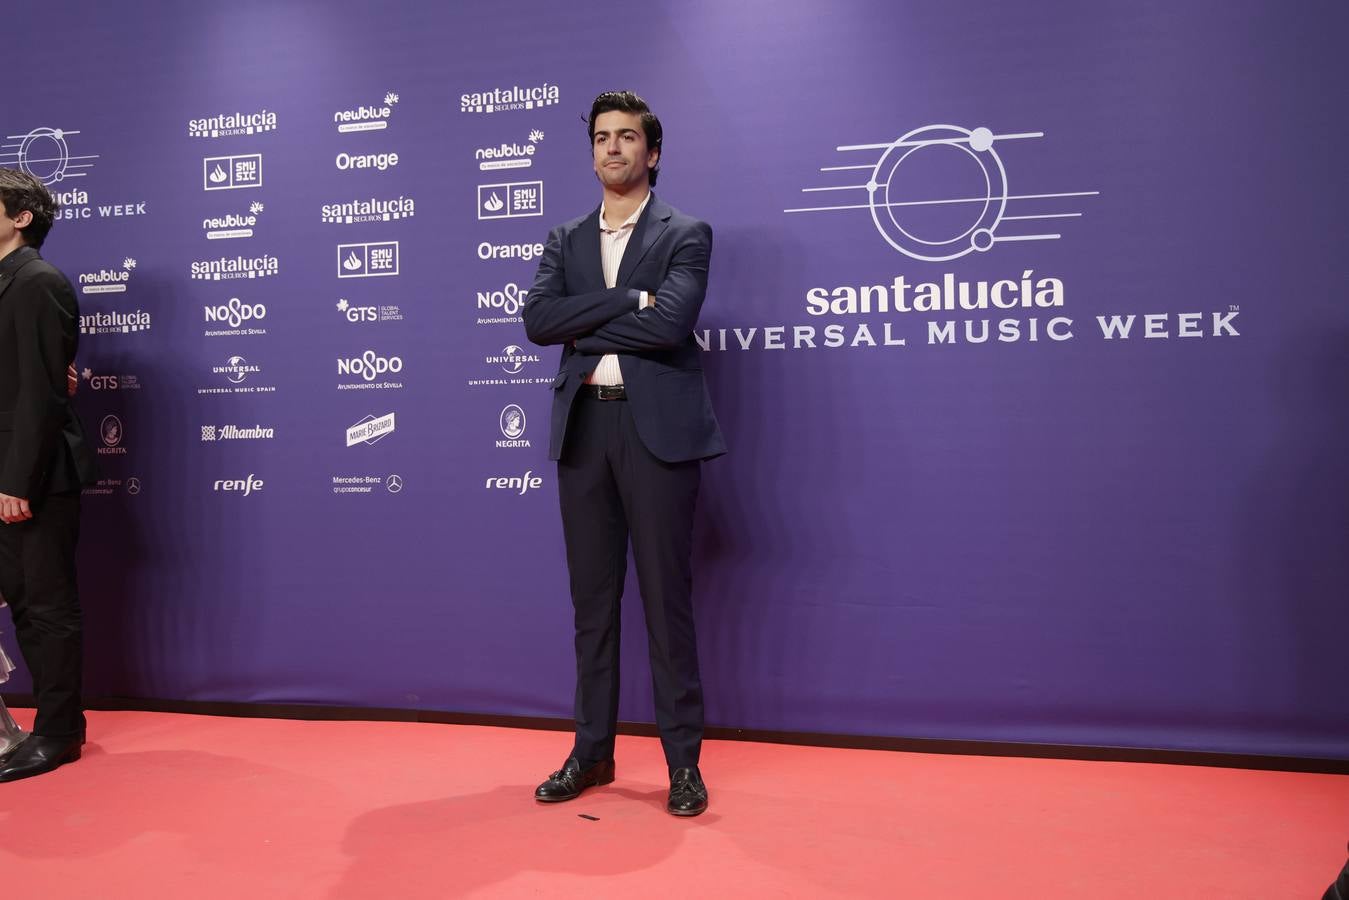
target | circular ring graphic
[
  {"x": 987, "y": 210},
  {"x": 58, "y": 157}
]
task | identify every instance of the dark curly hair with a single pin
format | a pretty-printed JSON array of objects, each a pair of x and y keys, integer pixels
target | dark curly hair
[{"x": 20, "y": 191}]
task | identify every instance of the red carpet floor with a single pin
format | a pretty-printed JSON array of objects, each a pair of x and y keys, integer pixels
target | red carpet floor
[{"x": 173, "y": 806}]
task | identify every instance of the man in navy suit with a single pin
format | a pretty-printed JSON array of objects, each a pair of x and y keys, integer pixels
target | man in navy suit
[{"x": 620, "y": 289}]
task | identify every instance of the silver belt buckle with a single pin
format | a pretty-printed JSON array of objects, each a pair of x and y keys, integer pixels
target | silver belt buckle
[{"x": 610, "y": 391}]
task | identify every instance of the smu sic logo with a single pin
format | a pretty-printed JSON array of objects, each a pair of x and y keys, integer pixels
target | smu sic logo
[
  {"x": 370, "y": 365},
  {"x": 235, "y": 312}
]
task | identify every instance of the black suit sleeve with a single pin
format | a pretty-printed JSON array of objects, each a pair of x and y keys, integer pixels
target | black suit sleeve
[
  {"x": 553, "y": 317},
  {"x": 41, "y": 323},
  {"x": 679, "y": 299}
]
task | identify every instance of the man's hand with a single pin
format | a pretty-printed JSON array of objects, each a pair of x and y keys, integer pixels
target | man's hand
[
  {"x": 72, "y": 380},
  {"x": 14, "y": 509}
]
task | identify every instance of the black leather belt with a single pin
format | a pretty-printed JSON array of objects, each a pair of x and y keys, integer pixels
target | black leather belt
[{"x": 605, "y": 391}]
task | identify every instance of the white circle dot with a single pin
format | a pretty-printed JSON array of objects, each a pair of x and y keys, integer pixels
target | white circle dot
[{"x": 981, "y": 139}]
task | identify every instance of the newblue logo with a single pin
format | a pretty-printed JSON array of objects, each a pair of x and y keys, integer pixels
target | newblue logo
[
  {"x": 366, "y": 118},
  {"x": 107, "y": 281},
  {"x": 232, "y": 225},
  {"x": 509, "y": 156}
]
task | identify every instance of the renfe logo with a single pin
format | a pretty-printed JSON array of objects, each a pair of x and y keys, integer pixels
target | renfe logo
[
  {"x": 521, "y": 484},
  {"x": 236, "y": 486}
]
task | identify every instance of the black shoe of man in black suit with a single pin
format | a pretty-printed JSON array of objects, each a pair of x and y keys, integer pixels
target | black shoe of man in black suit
[{"x": 568, "y": 782}]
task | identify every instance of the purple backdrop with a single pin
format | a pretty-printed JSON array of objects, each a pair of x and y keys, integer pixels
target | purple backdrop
[{"x": 1051, "y": 535}]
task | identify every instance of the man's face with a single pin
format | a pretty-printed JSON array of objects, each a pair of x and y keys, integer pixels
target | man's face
[
  {"x": 10, "y": 229},
  {"x": 622, "y": 159}
]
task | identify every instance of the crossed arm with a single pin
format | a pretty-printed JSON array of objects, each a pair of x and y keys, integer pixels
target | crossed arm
[{"x": 610, "y": 321}]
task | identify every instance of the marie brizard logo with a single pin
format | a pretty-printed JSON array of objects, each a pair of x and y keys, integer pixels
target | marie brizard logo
[
  {"x": 45, "y": 154},
  {"x": 940, "y": 192}
]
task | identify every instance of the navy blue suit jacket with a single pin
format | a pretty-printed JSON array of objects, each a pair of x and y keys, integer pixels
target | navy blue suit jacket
[{"x": 667, "y": 256}]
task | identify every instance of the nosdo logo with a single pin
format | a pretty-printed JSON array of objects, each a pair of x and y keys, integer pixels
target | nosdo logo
[
  {"x": 232, "y": 225},
  {"x": 358, "y": 212},
  {"x": 512, "y": 359},
  {"x": 508, "y": 300},
  {"x": 370, "y": 365},
  {"x": 231, "y": 173},
  {"x": 224, "y": 268},
  {"x": 245, "y": 486},
  {"x": 235, "y": 312},
  {"x": 511, "y": 98},
  {"x": 509, "y": 156},
  {"x": 521, "y": 484},
  {"x": 381, "y": 161},
  {"x": 366, "y": 118},
  {"x": 232, "y": 124},
  {"x": 107, "y": 281}
]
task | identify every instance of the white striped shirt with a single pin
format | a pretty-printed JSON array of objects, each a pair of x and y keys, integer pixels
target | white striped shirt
[{"x": 613, "y": 241}]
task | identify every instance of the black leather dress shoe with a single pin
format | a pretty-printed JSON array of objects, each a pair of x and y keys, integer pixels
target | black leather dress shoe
[
  {"x": 568, "y": 782},
  {"x": 39, "y": 755},
  {"x": 688, "y": 794}
]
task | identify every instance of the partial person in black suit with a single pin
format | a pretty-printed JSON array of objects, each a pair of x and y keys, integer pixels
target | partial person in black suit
[
  {"x": 44, "y": 461},
  {"x": 620, "y": 289}
]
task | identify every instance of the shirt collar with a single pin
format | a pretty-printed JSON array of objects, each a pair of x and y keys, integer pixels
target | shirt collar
[
  {"x": 630, "y": 220},
  {"x": 18, "y": 257}
]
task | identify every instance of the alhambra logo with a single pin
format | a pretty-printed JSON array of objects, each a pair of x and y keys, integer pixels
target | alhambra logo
[
  {"x": 232, "y": 124},
  {"x": 366, "y": 118},
  {"x": 940, "y": 192},
  {"x": 512, "y": 98}
]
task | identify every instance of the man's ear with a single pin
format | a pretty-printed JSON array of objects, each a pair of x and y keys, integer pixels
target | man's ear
[{"x": 23, "y": 219}]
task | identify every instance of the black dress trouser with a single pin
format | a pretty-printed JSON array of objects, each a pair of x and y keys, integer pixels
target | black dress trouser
[
  {"x": 612, "y": 489},
  {"x": 37, "y": 580}
]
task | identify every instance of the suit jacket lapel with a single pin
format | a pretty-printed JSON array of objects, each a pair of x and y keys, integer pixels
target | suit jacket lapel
[
  {"x": 588, "y": 253},
  {"x": 644, "y": 234},
  {"x": 21, "y": 258}
]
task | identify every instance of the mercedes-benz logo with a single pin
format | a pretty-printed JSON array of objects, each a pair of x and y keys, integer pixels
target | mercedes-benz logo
[
  {"x": 394, "y": 483},
  {"x": 133, "y": 485}
]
